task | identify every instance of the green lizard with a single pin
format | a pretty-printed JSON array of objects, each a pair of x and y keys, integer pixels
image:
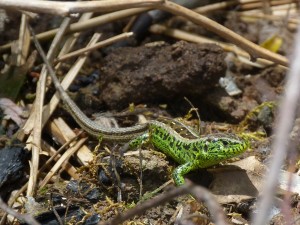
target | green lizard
[{"x": 189, "y": 153}]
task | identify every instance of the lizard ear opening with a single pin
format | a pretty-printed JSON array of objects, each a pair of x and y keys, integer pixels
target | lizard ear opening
[{"x": 205, "y": 148}]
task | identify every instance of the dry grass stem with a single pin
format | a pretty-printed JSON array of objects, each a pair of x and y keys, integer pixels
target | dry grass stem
[
  {"x": 70, "y": 76},
  {"x": 63, "y": 133},
  {"x": 243, "y": 5},
  {"x": 286, "y": 116},
  {"x": 72, "y": 38},
  {"x": 24, "y": 41},
  {"x": 95, "y": 46},
  {"x": 65, "y": 8},
  {"x": 68, "y": 79},
  {"x": 279, "y": 10},
  {"x": 22, "y": 217},
  {"x": 199, "y": 193},
  {"x": 54, "y": 154},
  {"x": 48, "y": 110},
  {"x": 38, "y": 111},
  {"x": 260, "y": 4},
  {"x": 250, "y": 15},
  {"x": 66, "y": 166},
  {"x": 216, "y": 6},
  {"x": 254, "y": 50},
  {"x": 84, "y": 25},
  {"x": 187, "y": 36},
  {"x": 62, "y": 160}
]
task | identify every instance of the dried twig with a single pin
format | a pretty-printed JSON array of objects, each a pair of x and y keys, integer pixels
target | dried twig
[
  {"x": 84, "y": 25},
  {"x": 73, "y": 71},
  {"x": 286, "y": 115},
  {"x": 22, "y": 217},
  {"x": 61, "y": 160},
  {"x": 24, "y": 41},
  {"x": 188, "y": 36},
  {"x": 199, "y": 193},
  {"x": 65, "y": 8},
  {"x": 70, "y": 76},
  {"x": 95, "y": 46},
  {"x": 253, "y": 49},
  {"x": 45, "y": 165},
  {"x": 39, "y": 102}
]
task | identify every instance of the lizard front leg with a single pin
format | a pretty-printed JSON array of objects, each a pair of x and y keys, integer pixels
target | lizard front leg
[{"x": 181, "y": 170}]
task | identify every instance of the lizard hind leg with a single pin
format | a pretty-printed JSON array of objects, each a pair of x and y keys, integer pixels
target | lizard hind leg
[
  {"x": 139, "y": 141},
  {"x": 135, "y": 143}
]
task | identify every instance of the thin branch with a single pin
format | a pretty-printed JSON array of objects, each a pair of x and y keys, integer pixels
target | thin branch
[
  {"x": 253, "y": 49},
  {"x": 60, "y": 222},
  {"x": 95, "y": 46},
  {"x": 69, "y": 77},
  {"x": 65, "y": 8},
  {"x": 199, "y": 193},
  {"x": 61, "y": 160},
  {"x": 84, "y": 25},
  {"x": 45, "y": 165},
  {"x": 39, "y": 102},
  {"x": 21, "y": 217},
  {"x": 190, "y": 37},
  {"x": 286, "y": 116},
  {"x": 24, "y": 41}
]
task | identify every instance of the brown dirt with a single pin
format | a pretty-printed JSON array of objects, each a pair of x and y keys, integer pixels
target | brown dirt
[{"x": 160, "y": 73}]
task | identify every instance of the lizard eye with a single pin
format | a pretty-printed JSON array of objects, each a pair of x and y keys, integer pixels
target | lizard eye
[{"x": 225, "y": 143}]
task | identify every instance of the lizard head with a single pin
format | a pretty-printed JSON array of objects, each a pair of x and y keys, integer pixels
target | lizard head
[{"x": 219, "y": 147}]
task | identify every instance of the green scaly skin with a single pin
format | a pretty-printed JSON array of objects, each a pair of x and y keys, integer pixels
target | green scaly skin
[{"x": 191, "y": 154}]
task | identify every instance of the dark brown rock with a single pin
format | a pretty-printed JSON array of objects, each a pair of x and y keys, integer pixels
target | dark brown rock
[{"x": 160, "y": 72}]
